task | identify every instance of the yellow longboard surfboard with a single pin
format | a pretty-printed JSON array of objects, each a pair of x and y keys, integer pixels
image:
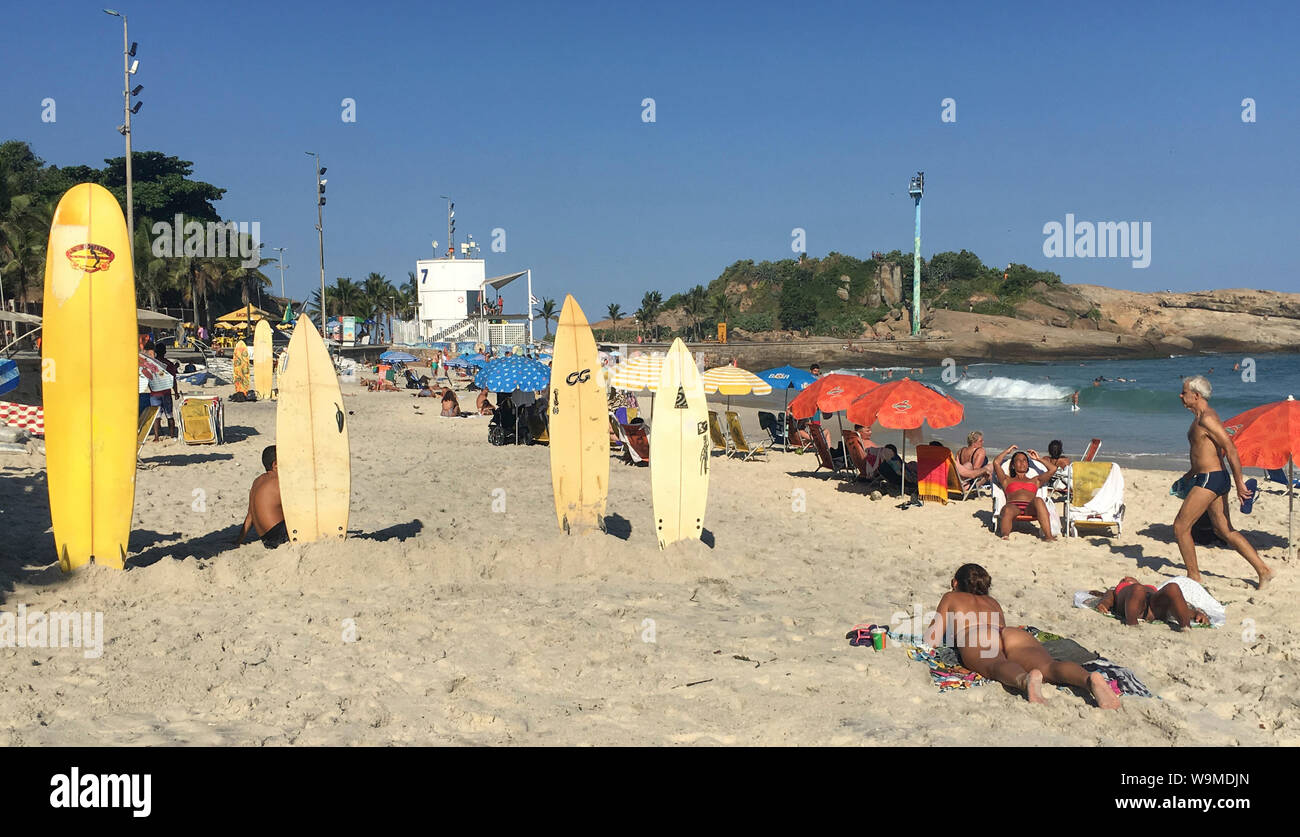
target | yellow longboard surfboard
[
  {"x": 90, "y": 373},
  {"x": 262, "y": 359},
  {"x": 679, "y": 444},
  {"x": 579, "y": 425},
  {"x": 311, "y": 431}
]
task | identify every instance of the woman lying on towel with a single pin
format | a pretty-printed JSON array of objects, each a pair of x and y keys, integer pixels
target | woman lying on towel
[
  {"x": 1131, "y": 601},
  {"x": 972, "y": 620},
  {"x": 1021, "y": 488}
]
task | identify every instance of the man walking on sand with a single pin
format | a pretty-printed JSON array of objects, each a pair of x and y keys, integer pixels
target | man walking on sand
[{"x": 1210, "y": 442}]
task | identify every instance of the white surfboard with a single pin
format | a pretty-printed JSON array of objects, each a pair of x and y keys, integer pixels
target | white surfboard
[{"x": 679, "y": 449}]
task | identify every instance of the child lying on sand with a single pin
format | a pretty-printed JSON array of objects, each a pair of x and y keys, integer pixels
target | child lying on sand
[{"x": 972, "y": 620}]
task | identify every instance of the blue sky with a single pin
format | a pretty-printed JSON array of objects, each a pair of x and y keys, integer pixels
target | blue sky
[{"x": 769, "y": 116}]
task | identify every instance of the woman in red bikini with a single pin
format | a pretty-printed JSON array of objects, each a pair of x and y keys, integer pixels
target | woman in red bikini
[
  {"x": 1131, "y": 601},
  {"x": 1021, "y": 488},
  {"x": 972, "y": 620}
]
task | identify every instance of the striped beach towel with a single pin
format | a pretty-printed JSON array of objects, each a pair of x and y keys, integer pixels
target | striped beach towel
[{"x": 31, "y": 419}]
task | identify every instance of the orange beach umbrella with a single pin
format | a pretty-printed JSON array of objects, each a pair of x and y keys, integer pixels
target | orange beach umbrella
[
  {"x": 905, "y": 405},
  {"x": 1269, "y": 437},
  {"x": 830, "y": 394}
]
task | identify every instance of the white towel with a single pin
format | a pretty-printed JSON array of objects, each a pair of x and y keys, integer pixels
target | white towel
[{"x": 1197, "y": 596}]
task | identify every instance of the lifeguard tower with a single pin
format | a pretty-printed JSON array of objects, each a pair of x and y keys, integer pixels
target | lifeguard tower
[{"x": 457, "y": 300}]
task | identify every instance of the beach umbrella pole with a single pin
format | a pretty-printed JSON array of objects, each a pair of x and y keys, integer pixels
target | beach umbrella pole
[
  {"x": 1290, "y": 503},
  {"x": 902, "y": 469}
]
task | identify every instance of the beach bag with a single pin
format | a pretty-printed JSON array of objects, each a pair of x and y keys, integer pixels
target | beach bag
[{"x": 161, "y": 383}]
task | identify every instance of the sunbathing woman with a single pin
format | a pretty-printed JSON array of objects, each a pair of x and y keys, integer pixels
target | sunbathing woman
[
  {"x": 450, "y": 406},
  {"x": 973, "y": 455},
  {"x": 1131, "y": 601},
  {"x": 1021, "y": 488},
  {"x": 972, "y": 620},
  {"x": 484, "y": 406}
]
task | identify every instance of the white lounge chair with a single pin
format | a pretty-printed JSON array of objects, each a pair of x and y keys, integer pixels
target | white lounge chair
[{"x": 1096, "y": 500}]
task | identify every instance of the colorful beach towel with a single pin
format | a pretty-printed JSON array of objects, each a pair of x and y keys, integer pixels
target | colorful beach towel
[{"x": 948, "y": 674}]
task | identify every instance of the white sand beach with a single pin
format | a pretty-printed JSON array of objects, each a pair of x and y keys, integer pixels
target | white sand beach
[{"x": 475, "y": 626}]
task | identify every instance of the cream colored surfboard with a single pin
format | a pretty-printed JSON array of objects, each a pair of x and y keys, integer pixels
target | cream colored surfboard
[
  {"x": 262, "y": 360},
  {"x": 579, "y": 425},
  {"x": 679, "y": 449},
  {"x": 311, "y": 431},
  {"x": 89, "y": 373}
]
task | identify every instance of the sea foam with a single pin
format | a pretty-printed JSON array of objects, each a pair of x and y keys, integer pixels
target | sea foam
[{"x": 1013, "y": 389}]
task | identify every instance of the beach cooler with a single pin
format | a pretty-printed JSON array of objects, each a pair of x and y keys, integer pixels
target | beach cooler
[{"x": 202, "y": 420}]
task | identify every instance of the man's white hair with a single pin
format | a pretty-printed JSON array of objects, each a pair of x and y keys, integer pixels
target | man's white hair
[{"x": 1198, "y": 384}]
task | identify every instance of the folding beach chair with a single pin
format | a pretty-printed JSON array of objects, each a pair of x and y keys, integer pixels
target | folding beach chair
[
  {"x": 636, "y": 444},
  {"x": 144, "y": 426},
  {"x": 792, "y": 432},
  {"x": 202, "y": 420},
  {"x": 867, "y": 461},
  {"x": 824, "y": 458},
  {"x": 1000, "y": 498},
  {"x": 771, "y": 424},
  {"x": 1094, "y": 447},
  {"x": 616, "y": 428},
  {"x": 1278, "y": 475},
  {"x": 1096, "y": 501},
  {"x": 934, "y": 473},
  {"x": 716, "y": 436},
  {"x": 742, "y": 447}
]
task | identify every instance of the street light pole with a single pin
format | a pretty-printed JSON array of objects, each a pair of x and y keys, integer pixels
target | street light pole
[
  {"x": 281, "y": 261},
  {"x": 320, "y": 230},
  {"x": 916, "y": 189},
  {"x": 126, "y": 126}
]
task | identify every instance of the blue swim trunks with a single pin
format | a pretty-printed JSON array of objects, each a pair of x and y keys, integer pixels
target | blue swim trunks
[{"x": 1216, "y": 481}]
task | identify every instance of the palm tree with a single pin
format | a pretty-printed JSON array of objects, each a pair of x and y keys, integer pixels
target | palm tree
[
  {"x": 696, "y": 307},
  {"x": 340, "y": 298},
  {"x": 615, "y": 313},
  {"x": 648, "y": 314},
  {"x": 24, "y": 231},
  {"x": 409, "y": 300},
  {"x": 722, "y": 307},
  {"x": 547, "y": 312}
]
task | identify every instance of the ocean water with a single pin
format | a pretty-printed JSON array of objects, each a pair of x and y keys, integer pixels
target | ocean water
[{"x": 1139, "y": 419}]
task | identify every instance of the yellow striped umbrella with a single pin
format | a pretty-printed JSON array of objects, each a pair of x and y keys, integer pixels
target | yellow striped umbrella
[
  {"x": 638, "y": 373},
  {"x": 732, "y": 380}
]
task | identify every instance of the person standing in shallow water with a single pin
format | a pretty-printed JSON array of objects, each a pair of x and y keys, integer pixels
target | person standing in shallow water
[
  {"x": 972, "y": 621},
  {"x": 1210, "y": 444}
]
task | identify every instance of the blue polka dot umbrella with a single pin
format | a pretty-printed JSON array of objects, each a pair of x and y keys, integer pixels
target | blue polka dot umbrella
[{"x": 509, "y": 374}]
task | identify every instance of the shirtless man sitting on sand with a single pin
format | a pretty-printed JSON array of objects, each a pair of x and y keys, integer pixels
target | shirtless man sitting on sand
[
  {"x": 972, "y": 620},
  {"x": 1131, "y": 601},
  {"x": 264, "y": 509},
  {"x": 1210, "y": 443}
]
